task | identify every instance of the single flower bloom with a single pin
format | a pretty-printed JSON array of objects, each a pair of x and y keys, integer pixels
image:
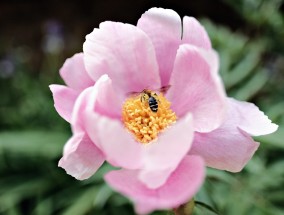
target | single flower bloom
[{"x": 158, "y": 139}]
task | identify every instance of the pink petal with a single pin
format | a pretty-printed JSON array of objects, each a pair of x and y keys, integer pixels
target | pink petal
[
  {"x": 181, "y": 186},
  {"x": 194, "y": 33},
  {"x": 117, "y": 144},
  {"x": 251, "y": 120},
  {"x": 81, "y": 157},
  {"x": 109, "y": 134},
  {"x": 64, "y": 99},
  {"x": 100, "y": 98},
  {"x": 74, "y": 73},
  {"x": 162, "y": 157},
  {"x": 78, "y": 111},
  {"x": 109, "y": 102},
  {"x": 163, "y": 26},
  {"x": 228, "y": 147},
  {"x": 125, "y": 53},
  {"x": 196, "y": 87}
]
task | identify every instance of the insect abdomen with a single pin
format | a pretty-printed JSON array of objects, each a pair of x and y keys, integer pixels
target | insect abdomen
[{"x": 153, "y": 104}]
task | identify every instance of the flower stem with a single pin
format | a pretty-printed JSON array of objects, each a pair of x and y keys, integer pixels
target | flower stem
[{"x": 185, "y": 209}]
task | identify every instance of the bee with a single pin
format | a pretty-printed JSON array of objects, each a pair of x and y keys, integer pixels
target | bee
[{"x": 152, "y": 97}]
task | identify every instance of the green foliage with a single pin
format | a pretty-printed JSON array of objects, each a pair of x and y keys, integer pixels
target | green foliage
[{"x": 251, "y": 65}]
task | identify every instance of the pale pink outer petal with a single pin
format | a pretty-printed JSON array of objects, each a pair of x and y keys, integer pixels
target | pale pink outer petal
[
  {"x": 125, "y": 53},
  {"x": 118, "y": 145},
  {"x": 181, "y": 186},
  {"x": 109, "y": 134},
  {"x": 102, "y": 98},
  {"x": 197, "y": 88},
  {"x": 162, "y": 157},
  {"x": 251, "y": 120},
  {"x": 226, "y": 148},
  {"x": 64, "y": 100},
  {"x": 230, "y": 147},
  {"x": 109, "y": 102},
  {"x": 163, "y": 26},
  {"x": 74, "y": 74},
  {"x": 80, "y": 105},
  {"x": 81, "y": 158},
  {"x": 194, "y": 33}
]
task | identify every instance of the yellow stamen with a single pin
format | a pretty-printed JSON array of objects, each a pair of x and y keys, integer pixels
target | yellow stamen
[{"x": 142, "y": 122}]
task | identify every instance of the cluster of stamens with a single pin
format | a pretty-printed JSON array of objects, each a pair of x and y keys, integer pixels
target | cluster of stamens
[{"x": 141, "y": 121}]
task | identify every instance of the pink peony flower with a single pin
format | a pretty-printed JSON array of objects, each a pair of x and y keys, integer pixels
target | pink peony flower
[{"x": 158, "y": 140}]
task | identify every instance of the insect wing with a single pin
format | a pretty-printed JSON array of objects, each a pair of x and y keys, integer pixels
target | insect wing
[
  {"x": 164, "y": 89},
  {"x": 133, "y": 94}
]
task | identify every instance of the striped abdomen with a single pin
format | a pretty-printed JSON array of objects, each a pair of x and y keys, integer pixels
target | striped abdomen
[{"x": 153, "y": 104}]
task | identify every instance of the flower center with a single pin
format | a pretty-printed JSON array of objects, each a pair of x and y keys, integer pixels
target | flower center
[{"x": 146, "y": 115}]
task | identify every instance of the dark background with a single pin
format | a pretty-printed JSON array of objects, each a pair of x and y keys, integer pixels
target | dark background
[{"x": 24, "y": 23}]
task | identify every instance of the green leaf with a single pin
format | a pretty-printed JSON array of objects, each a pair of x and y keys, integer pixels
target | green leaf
[
  {"x": 242, "y": 69},
  {"x": 251, "y": 87},
  {"x": 47, "y": 144},
  {"x": 208, "y": 207},
  {"x": 103, "y": 195},
  {"x": 11, "y": 196},
  {"x": 273, "y": 140},
  {"x": 83, "y": 204}
]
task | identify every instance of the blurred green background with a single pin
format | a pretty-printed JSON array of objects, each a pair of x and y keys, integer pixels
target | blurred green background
[{"x": 35, "y": 39}]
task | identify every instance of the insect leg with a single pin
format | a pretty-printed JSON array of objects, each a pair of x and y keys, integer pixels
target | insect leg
[{"x": 156, "y": 97}]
